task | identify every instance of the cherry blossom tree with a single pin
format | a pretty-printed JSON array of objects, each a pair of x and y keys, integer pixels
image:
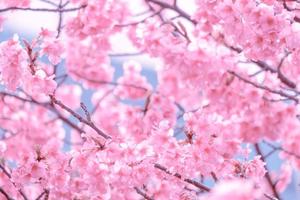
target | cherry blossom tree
[{"x": 225, "y": 101}]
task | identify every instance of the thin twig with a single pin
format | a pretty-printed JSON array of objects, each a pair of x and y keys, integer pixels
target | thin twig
[
  {"x": 42, "y": 9},
  {"x": 264, "y": 87},
  {"x": 193, "y": 182},
  {"x": 143, "y": 194},
  {"x": 270, "y": 197},
  {"x": 42, "y": 194},
  {"x": 180, "y": 107},
  {"x": 282, "y": 77},
  {"x": 276, "y": 148},
  {"x": 81, "y": 119},
  {"x": 5, "y": 171},
  {"x": 86, "y": 112},
  {"x": 9, "y": 176},
  {"x": 268, "y": 177},
  {"x": 60, "y": 18},
  {"x": 174, "y": 8},
  {"x": 141, "y": 21},
  {"x": 49, "y": 2},
  {"x": 68, "y": 122}
]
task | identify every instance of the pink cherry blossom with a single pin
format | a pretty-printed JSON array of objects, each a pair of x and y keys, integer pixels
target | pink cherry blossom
[
  {"x": 284, "y": 177},
  {"x": 54, "y": 49},
  {"x": 83, "y": 115},
  {"x": 12, "y": 69},
  {"x": 39, "y": 84},
  {"x": 16, "y": 3},
  {"x": 232, "y": 190},
  {"x": 131, "y": 78}
]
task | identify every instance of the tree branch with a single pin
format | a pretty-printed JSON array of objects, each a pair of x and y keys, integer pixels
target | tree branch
[
  {"x": 282, "y": 77},
  {"x": 187, "y": 180},
  {"x": 81, "y": 119},
  {"x": 264, "y": 87},
  {"x": 42, "y": 9},
  {"x": 9, "y": 176},
  {"x": 268, "y": 177},
  {"x": 49, "y": 2},
  {"x": 5, "y": 194},
  {"x": 60, "y": 18},
  {"x": 276, "y": 148},
  {"x": 143, "y": 194},
  {"x": 182, "y": 13}
]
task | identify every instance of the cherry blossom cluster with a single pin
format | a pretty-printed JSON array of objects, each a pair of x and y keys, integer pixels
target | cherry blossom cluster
[{"x": 227, "y": 90}]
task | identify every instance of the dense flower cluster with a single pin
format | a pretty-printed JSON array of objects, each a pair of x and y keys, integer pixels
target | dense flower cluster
[{"x": 226, "y": 86}]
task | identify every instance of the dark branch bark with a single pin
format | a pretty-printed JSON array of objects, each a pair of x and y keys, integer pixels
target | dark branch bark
[
  {"x": 143, "y": 194},
  {"x": 187, "y": 180},
  {"x": 9, "y": 176},
  {"x": 60, "y": 18},
  {"x": 2, "y": 191}
]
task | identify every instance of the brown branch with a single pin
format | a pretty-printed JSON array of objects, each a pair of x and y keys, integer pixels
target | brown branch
[
  {"x": 197, "y": 184},
  {"x": 282, "y": 77},
  {"x": 181, "y": 30},
  {"x": 264, "y": 66},
  {"x": 60, "y": 18},
  {"x": 175, "y": 3},
  {"x": 141, "y": 21},
  {"x": 297, "y": 19},
  {"x": 270, "y": 153},
  {"x": 45, "y": 192},
  {"x": 285, "y": 6},
  {"x": 9, "y": 176},
  {"x": 68, "y": 122},
  {"x": 77, "y": 116},
  {"x": 264, "y": 87},
  {"x": 182, "y": 13},
  {"x": 86, "y": 112},
  {"x": 276, "y": 148},
  {"x": 125, "y": 85},
  {"x": 270, "y": 197},
  {"x": 147, "y": 103},
  {"x": 180, "y": 107},
  {"x": 187, "y": 180},
  {"x": 100, "y": 100},
  {"x": 47, "y": 106},
  {"x": 261, "y": 64},
  {"x": 110, "y": 83},
  {"x": 31, "y": 55},
  {"x": 5, "y": 171},
  {"x": 42, "y": 9},
  {"x": 49, "y": 2},
  {"x": 2, "y": 191},
  {"x": 47, "y": 195},
  {"x": 267, "y": 176},
  {"x": 214, "y": 176},
  {"x": 143, "y": 194}
]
